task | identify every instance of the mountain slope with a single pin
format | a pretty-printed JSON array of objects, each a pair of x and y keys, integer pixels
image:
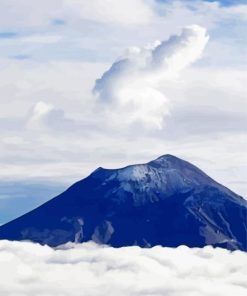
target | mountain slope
[{"x": 166, "y": 202}]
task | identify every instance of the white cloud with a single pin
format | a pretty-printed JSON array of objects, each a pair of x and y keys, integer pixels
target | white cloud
[
  {"x": 40, "y": 110},
  {"x": 25, "y": 13},
  {"x": 128, "y": 12},
  {"x": 92, "y": 270},
  {"x": 132, "y": 82}
]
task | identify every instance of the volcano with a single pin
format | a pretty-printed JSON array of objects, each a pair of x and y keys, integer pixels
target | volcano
[{"x": 167, "y": 202}]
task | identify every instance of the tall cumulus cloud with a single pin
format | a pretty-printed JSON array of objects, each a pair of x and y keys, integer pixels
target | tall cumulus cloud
[
  {"x": 131, "y": 86},
  {"x": 93, "y": 270}
]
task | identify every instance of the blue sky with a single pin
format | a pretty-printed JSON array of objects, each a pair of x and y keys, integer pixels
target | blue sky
[
  {"x": 222, "y": 2},
  {"x": 19, "y": 197},
  {"x": 229, "y": 2},
  {"x": 55, "y": 130}
]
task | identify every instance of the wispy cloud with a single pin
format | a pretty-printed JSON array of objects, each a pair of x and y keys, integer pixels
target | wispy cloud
[{"x": 43, "y": 39}]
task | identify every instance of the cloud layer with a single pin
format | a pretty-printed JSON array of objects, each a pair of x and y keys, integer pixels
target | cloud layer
[
  {"x": 93, "y": 270},
  {"x": 131, "y": 85}
]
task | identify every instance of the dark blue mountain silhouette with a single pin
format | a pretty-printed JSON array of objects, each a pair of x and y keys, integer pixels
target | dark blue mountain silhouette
[{"x": 167, "y": 202}]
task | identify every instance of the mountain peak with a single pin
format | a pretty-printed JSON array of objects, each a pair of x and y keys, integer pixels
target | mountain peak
[
  {"x": 165, "y": 161},
  {"x": 167, "y": 157},
  {"x": 169, "y": 161},
  {"x": 166, "y": 174}
]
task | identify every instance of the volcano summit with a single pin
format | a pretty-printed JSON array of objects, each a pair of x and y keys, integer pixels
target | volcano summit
[{"x": 167, "y": 202}]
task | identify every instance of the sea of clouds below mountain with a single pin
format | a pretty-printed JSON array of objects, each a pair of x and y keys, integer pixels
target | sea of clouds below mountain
[{"x": 89, "y": 269}]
